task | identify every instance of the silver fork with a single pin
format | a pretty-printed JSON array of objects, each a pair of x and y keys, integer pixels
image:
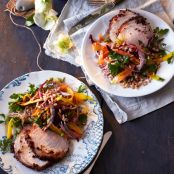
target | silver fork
[{"x": 98, "y": 2}]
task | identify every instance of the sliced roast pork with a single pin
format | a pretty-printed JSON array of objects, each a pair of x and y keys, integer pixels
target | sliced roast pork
[
  {"x": 24, "y": 153},
  {"x": 47, "y": 144},
  {"x": 117, "y": 21},
  {"x": 136, "y": 31}
]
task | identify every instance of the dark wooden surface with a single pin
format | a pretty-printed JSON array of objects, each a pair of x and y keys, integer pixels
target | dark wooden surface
[{"x": 142, "y": 146}]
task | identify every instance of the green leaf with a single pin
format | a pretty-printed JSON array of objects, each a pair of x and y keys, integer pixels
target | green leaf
[
  {"x": 3, "y": 118},
  {"x": 14, "y": 107},
  {"x": 113, "y": 55},
  {"x": 126, "y": 59},
  {"x": 16, "y": 122},
  {"x": 161, "y": 32},
  {"x": 82, "y": 89},
  {"x": 2, "y": 115},
  {"x": 83, "y": 119},
  {"x": 32, "y": 89},
  {"x": 29, "y": 21},
  {"x": 61, "y": 80},
  {"x": 17, "y": 97},
  {"x": 5, "y": 145},
  {"x": 115, "y": 68}
]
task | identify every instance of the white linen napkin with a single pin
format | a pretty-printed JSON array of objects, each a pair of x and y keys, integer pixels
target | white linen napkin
[{"x": 124, "y": 109}]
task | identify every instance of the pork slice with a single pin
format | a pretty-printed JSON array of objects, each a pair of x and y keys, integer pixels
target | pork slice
[
  {"x": 117, "y": 21},
  {"x": 47, "y": 144},
  {"x": 136, "y": 31},
  {"x": 24, "y": 153}
]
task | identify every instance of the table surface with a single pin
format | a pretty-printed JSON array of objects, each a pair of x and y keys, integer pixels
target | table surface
[{"x": 144, "y": 146}]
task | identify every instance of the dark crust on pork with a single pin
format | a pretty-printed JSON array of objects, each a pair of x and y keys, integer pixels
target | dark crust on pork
[
  {"x": 115, "y": 18},
  {"x": 135, "y": 18},
  {"x": 41, "y": 154},
  {"x": 34, "y": 166}
]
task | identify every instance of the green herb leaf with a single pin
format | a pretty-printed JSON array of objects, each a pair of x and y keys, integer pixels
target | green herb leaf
[
  {"x": 32, "y": 89},
  {"x": 115, "y": 68},
  {"x": 14, "y": 107},
  {"x": 29, "y": 21},
  {"x": 16, "y": 122},
  {"x": 1, "y": 121},
  {"x": 61, "y": 80},
  {"x": 126, "y": 59},
  {"x": 5, "y": 145},
  {"x": 2, "y": 115},
  {"x": 83, "y": 119},
  {"x": 3, "y": 118},
  {"x": 161, "y": 32},
  {"x": 113, "y": 55},
  {"x": 17, "y": 97},
  {"x": 82, "y": 89}
]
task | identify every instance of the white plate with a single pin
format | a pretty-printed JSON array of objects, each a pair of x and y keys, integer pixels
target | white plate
[
  {"x": 166, "y": 70},
  {"x": 81, "y": 153}
]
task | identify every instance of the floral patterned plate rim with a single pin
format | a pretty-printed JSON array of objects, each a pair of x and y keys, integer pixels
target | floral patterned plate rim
[{"x": 81, "y": 153}]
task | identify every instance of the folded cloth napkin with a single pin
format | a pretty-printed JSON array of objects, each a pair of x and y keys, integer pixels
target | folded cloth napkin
[{"x": 124, "y": 109}]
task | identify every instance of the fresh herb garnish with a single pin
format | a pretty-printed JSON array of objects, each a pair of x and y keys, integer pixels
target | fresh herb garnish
[
  {"x": 151, "y": 68},
  {"x": 32, "y": 89},
  {"x": 15, "y": 107},
  {"x": 61, "y": 80},
  {"x": 5, "y": 144},
  {"x": 119, "y": 62},
  {"x": 115, "y": 68},
  {"x": 3, "y": 118},
  {"x": 113, "y": 55},
  {"x": 16, "y": 122},
  {"x": 82, "y": 89},
  {"x": 17, "y": 97},
  {"x": 160, "y": 32},
  {"x": 83, "y": 119}
]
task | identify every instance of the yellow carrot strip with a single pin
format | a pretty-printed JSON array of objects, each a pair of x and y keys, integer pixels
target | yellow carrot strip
[
  {"x": 80, "y": 97},
  {"x": 75, "y": 128},
  {"x": 156, "y": 77},
  {"x": 10, "y": 129},
  {"x": 56, "y": 129},
  {"x": 31, "y": 102},
  {"x": 168, "y": 56}
]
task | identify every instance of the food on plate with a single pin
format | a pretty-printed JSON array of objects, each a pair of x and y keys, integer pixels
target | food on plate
[
  {"x": 131, "y": 51},
  {"x": 42, "y": 121}
]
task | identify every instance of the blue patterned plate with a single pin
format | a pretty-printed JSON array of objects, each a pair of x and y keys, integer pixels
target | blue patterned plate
[{"x": 81, "y": 153}]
